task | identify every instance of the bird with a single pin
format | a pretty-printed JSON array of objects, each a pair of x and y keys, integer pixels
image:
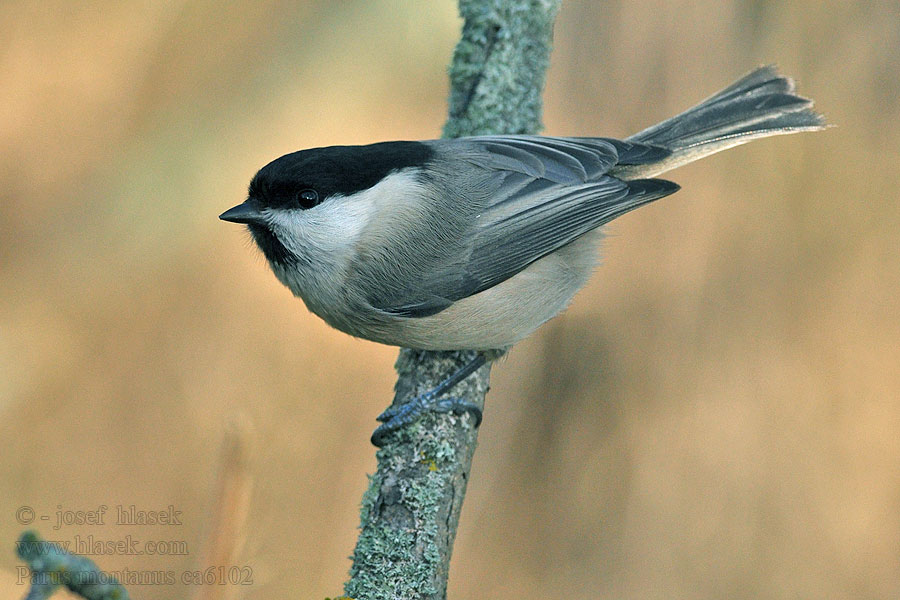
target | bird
[{"x": 472, "y": 243}]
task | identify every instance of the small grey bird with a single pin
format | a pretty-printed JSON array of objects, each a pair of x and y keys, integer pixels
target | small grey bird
[{"x": 473, "y": 243}]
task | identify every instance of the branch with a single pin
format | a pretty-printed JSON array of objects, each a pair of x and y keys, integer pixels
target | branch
[
  {"x": 53, "y": 568},
  {"x": 410, "y": 511}
]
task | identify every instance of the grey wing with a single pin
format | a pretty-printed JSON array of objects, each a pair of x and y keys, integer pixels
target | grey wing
[
  {"x": 565, "y": 160},
  {"x": 553, "y": 191}
]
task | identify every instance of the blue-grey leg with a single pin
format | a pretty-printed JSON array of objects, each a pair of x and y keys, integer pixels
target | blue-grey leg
[{"x": 397, "y": 417}]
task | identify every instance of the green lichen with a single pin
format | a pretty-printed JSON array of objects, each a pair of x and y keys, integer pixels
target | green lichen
[
  {"x": 498, "y": 69},
  {"x": 52, "y": 568}
]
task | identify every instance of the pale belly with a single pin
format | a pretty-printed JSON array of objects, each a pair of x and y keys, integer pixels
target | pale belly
[{"x": 508, "y": 312}]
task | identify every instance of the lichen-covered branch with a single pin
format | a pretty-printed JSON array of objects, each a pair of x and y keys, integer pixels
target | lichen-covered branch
[
  {"x": 498, "y": 70},
  {"x": 411, "y": 509},
  {"x": 53, "y": 568}
]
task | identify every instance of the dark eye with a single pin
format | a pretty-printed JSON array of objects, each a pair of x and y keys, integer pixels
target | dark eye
[{"x": 308, "y": 198}]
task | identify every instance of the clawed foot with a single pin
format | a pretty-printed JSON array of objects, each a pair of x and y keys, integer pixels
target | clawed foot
[{"x": 398, "y": 417}]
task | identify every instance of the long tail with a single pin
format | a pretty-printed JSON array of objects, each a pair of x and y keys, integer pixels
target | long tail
[{"x": 760, "y": 104}]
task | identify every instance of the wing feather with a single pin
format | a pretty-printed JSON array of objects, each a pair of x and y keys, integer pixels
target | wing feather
[{"x": 504, "y": 246}]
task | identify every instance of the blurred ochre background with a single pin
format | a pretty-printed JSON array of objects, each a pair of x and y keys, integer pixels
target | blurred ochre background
[{"x": 717, "y": 415}]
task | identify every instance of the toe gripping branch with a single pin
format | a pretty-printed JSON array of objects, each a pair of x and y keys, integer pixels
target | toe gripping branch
[{"x": 397, "y": 417}]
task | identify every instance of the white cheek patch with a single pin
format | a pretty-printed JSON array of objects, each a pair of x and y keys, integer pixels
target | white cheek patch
[
  {"x": 333, "y": 227},
  {"x": 327, "y": 228}
]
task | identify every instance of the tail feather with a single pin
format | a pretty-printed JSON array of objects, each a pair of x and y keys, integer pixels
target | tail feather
[{"x": 761, "y": 104}]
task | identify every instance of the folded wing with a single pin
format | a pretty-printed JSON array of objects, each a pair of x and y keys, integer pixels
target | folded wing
[{"x": 553, "y": 191}]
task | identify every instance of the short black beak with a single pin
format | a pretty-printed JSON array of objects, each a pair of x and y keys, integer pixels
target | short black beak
[{"x": 247, "y": 213}]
